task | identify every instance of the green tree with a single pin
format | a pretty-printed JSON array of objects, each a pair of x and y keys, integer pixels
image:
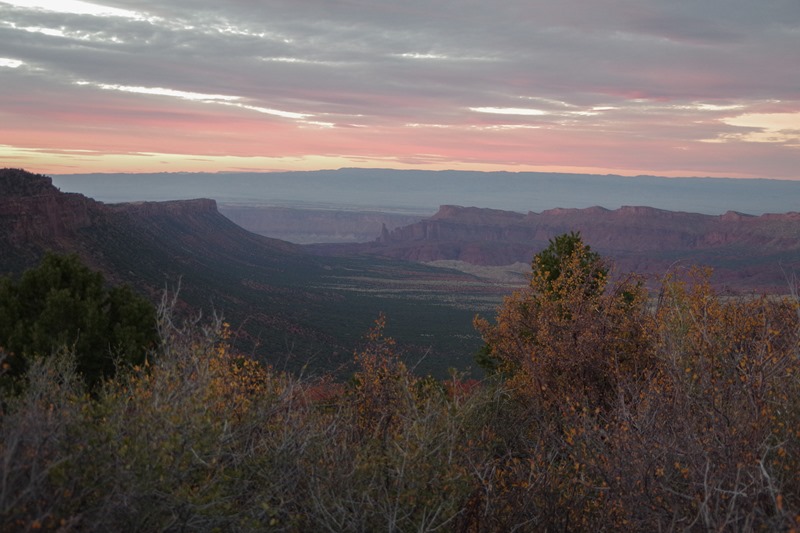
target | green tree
[
  {"x": 583, "y": 272},
  {"x": 550, "y": 262},
  {"x": 570, "y": 333},
  {"x": 63, "y": 304}
]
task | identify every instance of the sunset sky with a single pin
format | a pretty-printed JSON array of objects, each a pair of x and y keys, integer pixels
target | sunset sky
[{"x": 663, "y": 87}]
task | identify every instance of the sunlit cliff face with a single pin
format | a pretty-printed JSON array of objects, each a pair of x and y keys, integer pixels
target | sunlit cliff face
[{"x": 630, "y": 88}]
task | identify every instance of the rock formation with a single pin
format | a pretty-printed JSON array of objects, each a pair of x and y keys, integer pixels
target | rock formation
[
  {"x": 32, "y": 210},
  {"x": 748, "y": 252}
]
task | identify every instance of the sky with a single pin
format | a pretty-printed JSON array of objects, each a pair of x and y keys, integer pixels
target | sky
[{"x": 660, "y": 87}]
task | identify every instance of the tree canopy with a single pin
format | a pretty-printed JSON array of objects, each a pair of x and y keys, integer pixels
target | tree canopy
[
  {"x": 62, "y": 304},
  {"x": 549, "y": 264},
  {"x": 569, "y": 334}
]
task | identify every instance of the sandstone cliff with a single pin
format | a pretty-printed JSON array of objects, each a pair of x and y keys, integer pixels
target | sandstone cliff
[
  {"x": 630, "y": 229},
  {"x": 32, "y": 210},
  {"x": 748, "y": 252},
  {"x": 36, "y": 217}
]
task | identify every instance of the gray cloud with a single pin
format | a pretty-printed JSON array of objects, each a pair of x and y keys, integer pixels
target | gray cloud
[
  {"x": 516, "y": 47},
  {"x": 368, "y": 62}
]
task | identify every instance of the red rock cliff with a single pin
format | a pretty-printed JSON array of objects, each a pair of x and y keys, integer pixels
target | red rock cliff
[{"x": 32, "y": 209}]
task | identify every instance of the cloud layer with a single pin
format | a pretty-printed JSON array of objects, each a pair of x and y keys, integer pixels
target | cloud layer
[{"x": 708, "y": 87}]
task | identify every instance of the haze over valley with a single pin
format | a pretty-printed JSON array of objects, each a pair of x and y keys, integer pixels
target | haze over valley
[
  {"x": 352, "y": 205},
  {"x": 422, "y": 192}
]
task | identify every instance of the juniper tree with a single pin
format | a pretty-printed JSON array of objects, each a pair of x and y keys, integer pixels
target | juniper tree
[{"x": 62, "y": 304}]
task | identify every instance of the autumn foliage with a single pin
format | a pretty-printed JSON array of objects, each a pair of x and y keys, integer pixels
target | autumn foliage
[{"x": 607, "y": 409}]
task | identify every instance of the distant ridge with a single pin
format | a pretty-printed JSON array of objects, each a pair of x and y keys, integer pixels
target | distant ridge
[
  {"x": 747, "y": 252},
  {"x": 422, "y": 192},
  {"x": 631, "y": 228}
]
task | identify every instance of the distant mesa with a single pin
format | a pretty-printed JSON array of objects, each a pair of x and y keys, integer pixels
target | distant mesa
[
  {"x": 38, "y": 217},
  {"x": 748, "y": 252}
]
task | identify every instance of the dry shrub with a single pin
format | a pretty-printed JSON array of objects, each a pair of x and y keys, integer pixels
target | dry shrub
[
  {"x": 624, "y": 418},
  {"x": 607, "y": 413},
  {"x": 713, "y": 442}
]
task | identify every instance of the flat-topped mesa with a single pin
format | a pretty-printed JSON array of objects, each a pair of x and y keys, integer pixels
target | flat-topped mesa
[
  {"x": 455, "y": 223},
  {"x": 793, "y": 216},
  {"x": 642, "y": 239},
  {"x": 637, "y": 211},
  {"x": 33, "y": 211},
  {"x": 171, "y": 207},
  {"x": 564, "y": 211},
  {"x": 484, "y": 214}
]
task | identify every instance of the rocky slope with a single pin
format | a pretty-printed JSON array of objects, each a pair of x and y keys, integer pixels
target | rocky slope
[
  {"x": 32, "y": 210},
  {"x": 36, "y": 217}
]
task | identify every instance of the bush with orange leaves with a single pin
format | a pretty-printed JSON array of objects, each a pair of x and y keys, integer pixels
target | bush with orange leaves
[
  {"x": 713, "y": 442},
  {"x": 623, "y": 417},
  {"x": 570, "y": 349},
  {"x": 571, "y": 339}
]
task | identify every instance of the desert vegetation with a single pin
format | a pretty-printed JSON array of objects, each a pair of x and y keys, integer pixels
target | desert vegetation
[
  {"x": 63, "y": 305},
  {"x": 604, "y": 408}
]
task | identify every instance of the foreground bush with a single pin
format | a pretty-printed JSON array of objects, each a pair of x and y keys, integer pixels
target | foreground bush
[
  {"x": 691, "y": 425},
  {"x": 201, "y": 439},
  {"x": 625, "y": 418}
]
